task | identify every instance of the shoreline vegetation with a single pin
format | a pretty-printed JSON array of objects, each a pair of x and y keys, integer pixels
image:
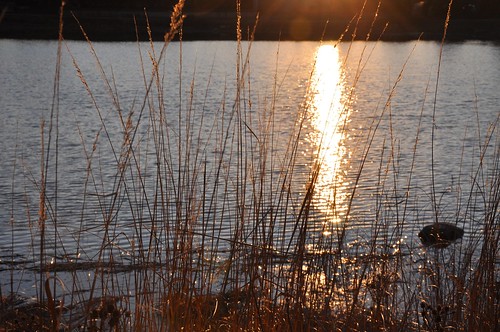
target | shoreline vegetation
[
  {"x": 110, "y": 25},
  {"x": 270, "y": 276}
]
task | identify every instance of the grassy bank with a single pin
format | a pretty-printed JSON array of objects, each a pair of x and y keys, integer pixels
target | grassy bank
[
  {"x": 219, "y": 239},
  {"x": 120, "y": 26}
]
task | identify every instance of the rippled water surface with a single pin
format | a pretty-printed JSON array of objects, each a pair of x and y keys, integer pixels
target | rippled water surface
[{"x": 376, "y": 121}]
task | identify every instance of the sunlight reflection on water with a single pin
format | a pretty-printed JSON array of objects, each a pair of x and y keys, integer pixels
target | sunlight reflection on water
[
  {"x": 330, "y": 114},
  {"x": 340, "y": 126}
]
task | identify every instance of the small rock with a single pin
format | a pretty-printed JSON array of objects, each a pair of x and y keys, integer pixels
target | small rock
[{"x": 440, "y": 235}]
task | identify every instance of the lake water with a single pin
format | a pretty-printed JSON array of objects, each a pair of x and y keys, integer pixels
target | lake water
[{"x": 210, "y": 151}]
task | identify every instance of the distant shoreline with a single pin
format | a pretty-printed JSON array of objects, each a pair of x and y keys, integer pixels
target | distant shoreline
[{"x": 120, "y": 26}]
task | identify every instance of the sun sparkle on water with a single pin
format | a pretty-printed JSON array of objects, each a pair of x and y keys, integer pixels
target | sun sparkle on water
[{"x": 329, "y": 118}]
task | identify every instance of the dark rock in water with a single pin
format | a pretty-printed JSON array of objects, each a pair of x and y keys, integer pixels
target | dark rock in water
[{"x": 440, "y": 235}]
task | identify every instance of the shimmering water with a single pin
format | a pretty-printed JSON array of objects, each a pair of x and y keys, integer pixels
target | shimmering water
[{"x": 203, "y": 149}]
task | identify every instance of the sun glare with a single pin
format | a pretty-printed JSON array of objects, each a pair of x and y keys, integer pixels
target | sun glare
[{"x": 329, "y": 118}]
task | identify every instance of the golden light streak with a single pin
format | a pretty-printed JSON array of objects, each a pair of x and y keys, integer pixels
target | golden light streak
[{"x": 329, "y": 118}]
